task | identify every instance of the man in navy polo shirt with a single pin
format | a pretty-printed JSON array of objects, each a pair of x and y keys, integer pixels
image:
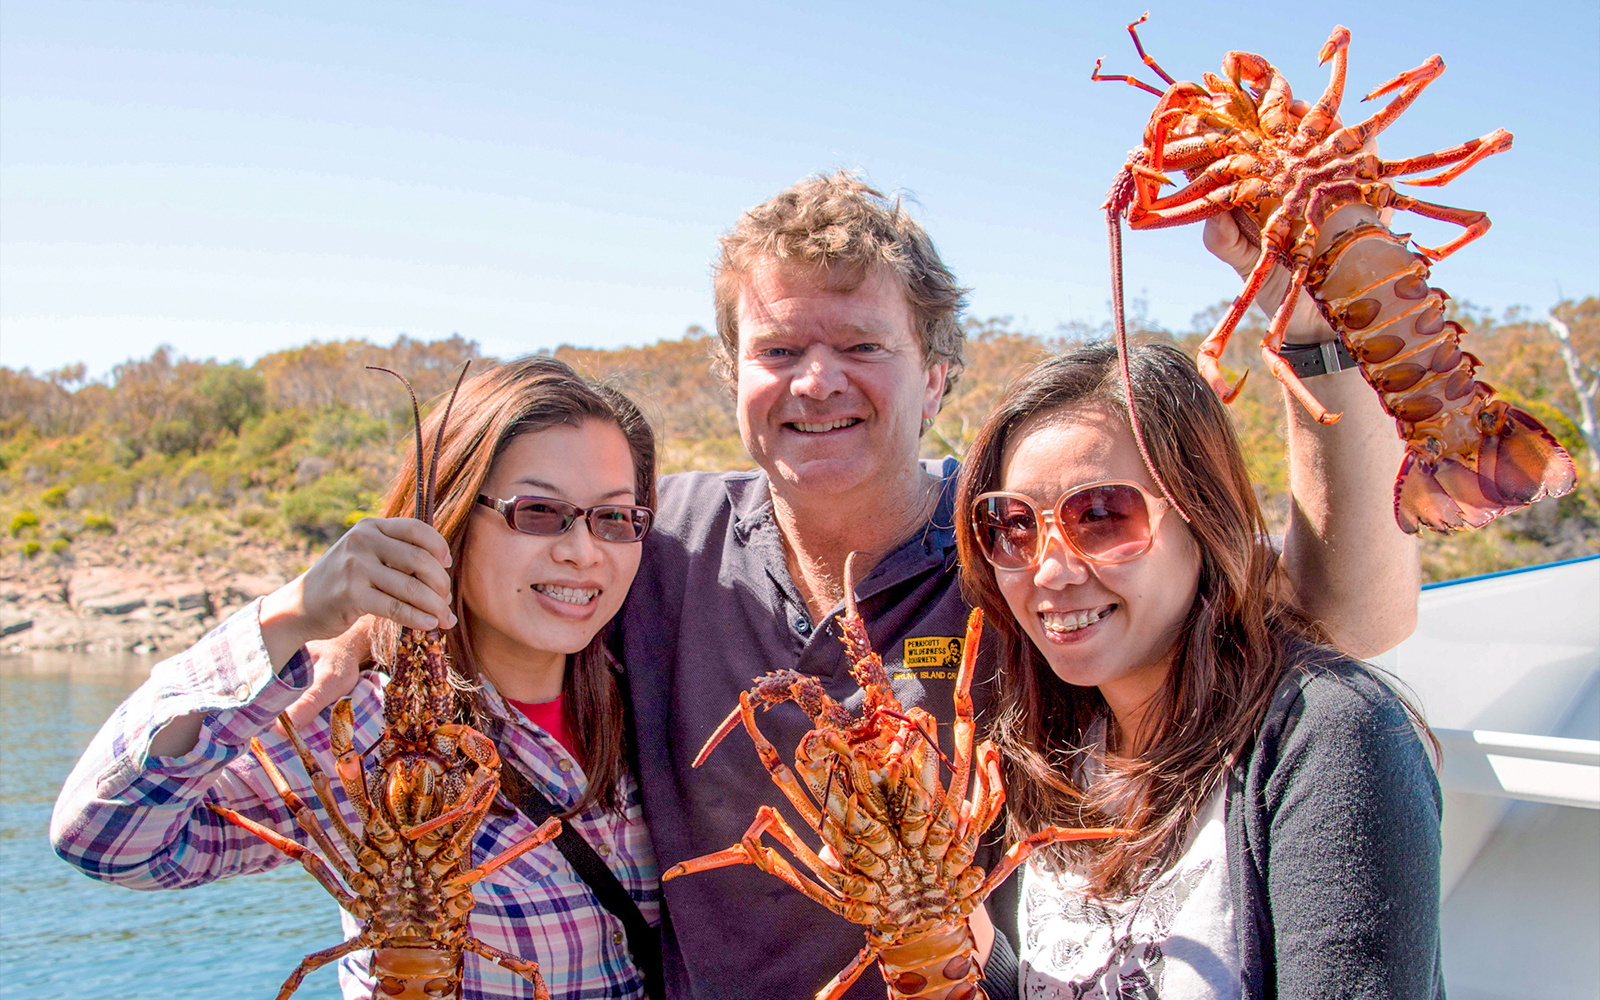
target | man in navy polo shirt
[{"x": 838, "y": 327}]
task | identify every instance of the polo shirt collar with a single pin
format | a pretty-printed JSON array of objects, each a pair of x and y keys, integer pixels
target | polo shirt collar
[{"x": 750, "y": 495}]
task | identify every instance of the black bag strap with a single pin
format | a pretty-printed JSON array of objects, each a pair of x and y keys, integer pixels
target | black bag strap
[{"x": 644, "y": 942}]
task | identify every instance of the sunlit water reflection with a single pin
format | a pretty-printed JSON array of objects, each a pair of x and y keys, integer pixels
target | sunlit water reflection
[{"x": 63, "y": 935}]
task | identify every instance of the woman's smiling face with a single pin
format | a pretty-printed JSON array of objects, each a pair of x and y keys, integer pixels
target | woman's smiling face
[
  {"x": 533, "y": 599},
  {"x": 1111, "y": 627}
]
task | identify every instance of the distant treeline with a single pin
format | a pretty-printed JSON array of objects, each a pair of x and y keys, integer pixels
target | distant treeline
[{"x": 304, "y": 441}]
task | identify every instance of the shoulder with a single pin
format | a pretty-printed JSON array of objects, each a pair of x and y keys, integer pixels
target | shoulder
[
  {"x": 1325, "y": 690},
  {"x": 687, "y": 498},
  {"x": 1334, "y": 720}
]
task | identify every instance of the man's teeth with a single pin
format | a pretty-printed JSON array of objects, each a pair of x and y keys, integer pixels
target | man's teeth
[
  {"x": 831, "y": 425},
  {"x": 1071, "y": 621},
  {"x": 566, "y": 595}
]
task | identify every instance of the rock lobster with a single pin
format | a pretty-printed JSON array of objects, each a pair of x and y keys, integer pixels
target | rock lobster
[
  {"x": 898, "y": 844},
  {"x": 422, "y": 790},
  {"x": 1283, "y": 167}
]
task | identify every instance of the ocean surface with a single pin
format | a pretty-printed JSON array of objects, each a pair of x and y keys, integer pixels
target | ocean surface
[{"x": 64, "y": 936}]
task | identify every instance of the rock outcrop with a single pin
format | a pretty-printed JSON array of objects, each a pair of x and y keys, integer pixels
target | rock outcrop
[{"x": 123, "y": 594}]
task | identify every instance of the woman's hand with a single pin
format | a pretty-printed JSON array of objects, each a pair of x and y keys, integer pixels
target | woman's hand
[{"x": 393, "y": 568}]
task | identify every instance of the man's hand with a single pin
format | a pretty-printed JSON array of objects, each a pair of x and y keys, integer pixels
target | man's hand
[{"x": 335, "y": 667}]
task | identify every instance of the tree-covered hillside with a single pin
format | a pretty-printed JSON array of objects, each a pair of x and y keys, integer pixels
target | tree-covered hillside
[{"x": 183, "y": 459}]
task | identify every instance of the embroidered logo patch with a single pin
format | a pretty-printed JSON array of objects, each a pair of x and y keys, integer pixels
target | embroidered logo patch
[{"x": 933, "y": 657}]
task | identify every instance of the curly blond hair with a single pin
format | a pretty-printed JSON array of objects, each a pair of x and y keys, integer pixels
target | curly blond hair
[{"x": 836, "y": 221}]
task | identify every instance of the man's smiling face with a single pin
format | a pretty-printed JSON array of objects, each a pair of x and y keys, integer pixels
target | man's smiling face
[{"x": 832, "y": 388}]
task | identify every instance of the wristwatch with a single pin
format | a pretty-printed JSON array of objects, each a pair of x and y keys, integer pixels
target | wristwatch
[{"x": 1307, "y": 360}]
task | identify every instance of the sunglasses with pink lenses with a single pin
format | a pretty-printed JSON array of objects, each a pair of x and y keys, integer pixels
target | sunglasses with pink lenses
[{"x": 1106, "y": 523}]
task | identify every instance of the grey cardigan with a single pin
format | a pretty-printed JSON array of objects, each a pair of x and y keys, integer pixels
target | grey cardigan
[
  {"x": 1333, "y": 843},
  {"x": 1333, "y": 846}
]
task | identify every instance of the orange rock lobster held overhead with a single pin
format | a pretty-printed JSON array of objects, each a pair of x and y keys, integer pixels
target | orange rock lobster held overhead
[
  {"x": 1282, "y": 167},
  {"x": 898, "y": 843},
  {"x": 421, "y": 791}
]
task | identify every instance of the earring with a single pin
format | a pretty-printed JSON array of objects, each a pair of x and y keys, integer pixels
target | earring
[{"x": 927, "y": 424}]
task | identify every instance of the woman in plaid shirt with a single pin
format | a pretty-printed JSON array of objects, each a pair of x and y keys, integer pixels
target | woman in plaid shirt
[{"x": 525, "y": 590}]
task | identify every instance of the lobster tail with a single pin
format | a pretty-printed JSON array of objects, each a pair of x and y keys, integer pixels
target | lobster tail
[
  {"x": 1522, "y": 459},
  {"x": 1518, "y": 462}
]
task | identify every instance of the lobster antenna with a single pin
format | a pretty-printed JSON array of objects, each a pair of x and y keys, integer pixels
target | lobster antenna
[
  {"x": 438, "y": 442},
  {"x": 1114, "y": 229},
  {"x": 850, "y": 583},
  {"x": 416, "y": 413}
]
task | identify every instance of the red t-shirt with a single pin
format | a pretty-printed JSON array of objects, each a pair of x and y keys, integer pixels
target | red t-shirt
[{"x": 547, "y": 715}]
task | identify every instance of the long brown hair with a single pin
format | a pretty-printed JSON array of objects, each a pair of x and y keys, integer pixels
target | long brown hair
[
  {"x": 1231, "y": 652},
  {"x": 520, "y": 397}
]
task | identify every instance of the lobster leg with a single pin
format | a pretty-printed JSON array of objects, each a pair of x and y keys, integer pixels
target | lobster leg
[
  {"x": 318, "y": 959},
  {"x": 1317, "y": 121},
  {"x": 1280, "y": 368},
  {"x": 840, "y": 984},
  {"x": 1098, "y": 77},
  {"x": 547, "y": 831},
  {"x": 1212, "y": 347},
  {"x": 1133, "y": 30},
  {"x": 304, "y": 818},
  {"x": 750, "y": 851},
  {"x": 324, "y": 789},
  {"x": 309, "y": 860},
  {"x": 964, "y": 725},
  {"x": 782, "y": 776},
  {"x": 347, "y": 762},
  {"x": 1351, "y": 138},
  {"x": 1463, "y": 156},
  {"x": 523, "y": 967},
  {"x": 1049, "y": 835},
  {"x": 1476, "y": 223}
]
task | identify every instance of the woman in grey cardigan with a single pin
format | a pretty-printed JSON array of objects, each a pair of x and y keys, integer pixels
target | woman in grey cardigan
[{"x": 1156, "y": 676}]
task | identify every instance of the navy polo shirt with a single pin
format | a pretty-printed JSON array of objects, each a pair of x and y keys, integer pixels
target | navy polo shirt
[{"x": 712, "y": 608}]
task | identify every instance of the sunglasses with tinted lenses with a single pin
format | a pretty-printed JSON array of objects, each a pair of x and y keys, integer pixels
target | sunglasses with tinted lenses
[
  {"x": 609, "y": 522},
  {"x": 1104, "y": 523}
]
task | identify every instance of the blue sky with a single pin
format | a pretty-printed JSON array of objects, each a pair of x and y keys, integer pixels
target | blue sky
[{"x": 233, "y": 179}]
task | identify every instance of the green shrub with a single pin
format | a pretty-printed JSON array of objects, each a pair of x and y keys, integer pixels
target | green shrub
[
  {"x": 60, "y": 545},
  {"x": 55, "y": 497},
  {"x": 100, "y": 523},
  {"x": 252, "y": 516},
  {"x": 24, "y": 520},
  {"x": 319, "y": 511},
  {"x": 30, "y": 548}
]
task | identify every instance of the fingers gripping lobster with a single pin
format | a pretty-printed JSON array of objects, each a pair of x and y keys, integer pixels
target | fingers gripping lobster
[
  {"x": 897, "y": 843},
  {"x": 421, "y": 792},
  {"x": 1283, "y": 166}
]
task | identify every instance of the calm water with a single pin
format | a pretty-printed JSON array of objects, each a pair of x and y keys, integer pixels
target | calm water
[{"x": 63, "y": 935}]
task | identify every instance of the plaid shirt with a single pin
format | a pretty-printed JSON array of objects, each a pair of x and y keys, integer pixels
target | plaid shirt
[{"x": 138, "y": 821}]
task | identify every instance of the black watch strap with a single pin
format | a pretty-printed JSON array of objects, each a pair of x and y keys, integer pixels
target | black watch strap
[{"x": 1307, "y": 360}]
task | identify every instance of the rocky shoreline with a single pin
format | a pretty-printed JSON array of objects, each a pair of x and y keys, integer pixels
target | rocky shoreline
[{"x": 133, "y": 593}]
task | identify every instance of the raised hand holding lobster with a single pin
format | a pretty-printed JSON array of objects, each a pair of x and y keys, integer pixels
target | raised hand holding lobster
[
  {"x": 1285, "y": 167},
  {"x": 421, "y": 791}
]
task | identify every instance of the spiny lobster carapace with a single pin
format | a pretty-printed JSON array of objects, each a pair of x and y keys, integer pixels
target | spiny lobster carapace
[
  {"x": 1282, "y": 167},
  {"x": 421, "y": 791},
  {"x": 898, "y": 843}
]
